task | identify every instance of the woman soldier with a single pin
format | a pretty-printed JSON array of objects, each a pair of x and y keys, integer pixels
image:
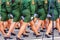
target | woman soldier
[
  {"x": 1, "y": 22},
  {"x": 15, "y": 11},
  {"x": 40, "y": 10},
  {"x": 55, "y": 18},
  {"x": 45, "y": 23},
  {"x": 6, "y": 22},
  {"x": 58, "y": 8},
  {"x": 3, "y": 16},
  {"x": 10, "y": 16}
]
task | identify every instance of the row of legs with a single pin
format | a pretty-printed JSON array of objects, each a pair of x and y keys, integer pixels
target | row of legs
[{"x": 22, "y": 25}]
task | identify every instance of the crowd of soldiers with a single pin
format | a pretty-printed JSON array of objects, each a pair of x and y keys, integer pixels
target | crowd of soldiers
[{"x": 23, "y": 13}]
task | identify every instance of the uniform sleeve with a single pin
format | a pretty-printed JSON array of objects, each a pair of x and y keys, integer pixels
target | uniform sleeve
[
  {"x": 32, "y": 7},
  {"x": 8, "y": 6},
  {"x": 45, "y": 6},
  {"x": 57, "y": 4},
  {"x": 3, "y": 5}
]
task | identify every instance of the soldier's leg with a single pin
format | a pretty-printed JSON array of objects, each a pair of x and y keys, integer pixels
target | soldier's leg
[
  {"x": 35, "y": 19},
  {"x": 50, "y": 25},
  {"x": 4, "y": 18},
  {"x": 49, "y": 28},
  {"x": 2, "y": 28},
  {"x": 38, "y": 25},
  {"x": 57, "y": 23},
  {"x": 21, "y": 22},
  {"x": 15, "y": 19},
  {"x": 56, "y": 17},
  {"x": 47, "y": 23},
  {"x": 24, "y": 22},
  {"x": 12, "y": 26},
  {"x": 9, "y": 22},
  {"x": 34, "y": 27},
  {"x": 43, "y": 24},
  {"x": 42, "y": 17},
  {"x": 21, "y": 30},
  {"x": 18, "y": 25},
  {"x": 5, "y": 24}
]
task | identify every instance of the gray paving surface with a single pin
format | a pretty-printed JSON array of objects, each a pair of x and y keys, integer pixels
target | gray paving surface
[{"x": 32, "y": 37}]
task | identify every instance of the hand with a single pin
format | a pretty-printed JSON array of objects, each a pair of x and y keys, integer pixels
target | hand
[
  {"x": 32, "y": 18},
  {"x": 48, "y": 15},
  {"x": 22, "y": 17},
  {"x": 35, "y": 15}
]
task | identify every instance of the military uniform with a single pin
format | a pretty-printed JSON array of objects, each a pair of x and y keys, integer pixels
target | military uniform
[
  {"x": 8, "y": 8},
  {"x": 16, "y": 10},
  {"x": 54, "y": 11},
  {"x": 4, "y": 14},
  {"x": 40, "y": 10},
  {"x": 58, "y": 6},
  {"x": 33, "y": 7},
  {"x": 28, "y": 10}
]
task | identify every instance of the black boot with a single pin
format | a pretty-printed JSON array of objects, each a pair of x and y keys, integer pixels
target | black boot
[
  {"x": 47, "y": 36},
  {"x": 35, "y": 34},
  {"x": 0, "y": 34},
  {"x": 13, "y": 34},
  {"x": 38, "y": 35},
  {"x": 25, "y": 35},
  {"x": 42, "y": 31},
  {"x": 5, "y": 31},
  {"x": 27, "y": 32},
  {"x": 17, "y": 28},
  {"x": 59, "y": 33},
  {"x": 18, "y": 38},
  {"x": 50, "y": 33},
  {"x": 7, "y": 38},
  {"x": 54, "y": 28}
]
